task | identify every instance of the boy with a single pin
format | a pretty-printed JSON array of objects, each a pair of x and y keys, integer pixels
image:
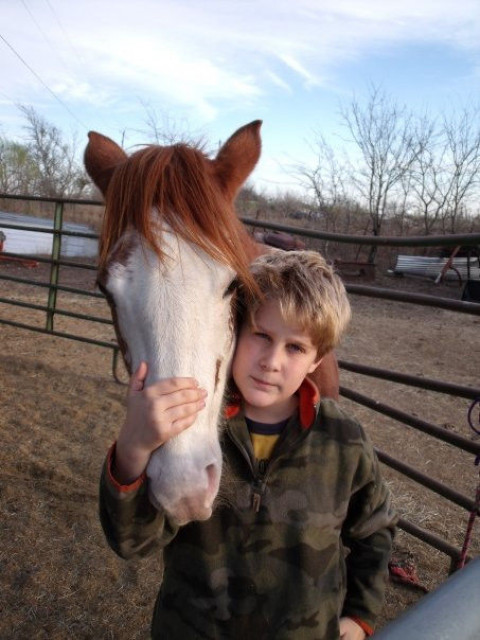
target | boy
[{"x": 298, "y": 546}]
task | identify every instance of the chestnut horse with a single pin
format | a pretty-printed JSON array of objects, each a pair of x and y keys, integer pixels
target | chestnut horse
[{"x": 171, "y": 246}]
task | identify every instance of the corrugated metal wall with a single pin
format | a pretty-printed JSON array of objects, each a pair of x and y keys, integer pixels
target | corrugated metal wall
[{"x": 39, "y": 243}]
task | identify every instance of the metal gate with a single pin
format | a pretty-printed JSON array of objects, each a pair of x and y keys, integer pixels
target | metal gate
[{"x": 51, "y": 310}]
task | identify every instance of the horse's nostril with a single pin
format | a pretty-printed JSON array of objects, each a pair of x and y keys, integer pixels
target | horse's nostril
[
  {"x": 211, "y": 472},
  {"x": 212, "y": 477}
]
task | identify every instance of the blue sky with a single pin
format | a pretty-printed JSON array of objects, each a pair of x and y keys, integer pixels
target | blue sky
[{"x": 210, "y": 66}]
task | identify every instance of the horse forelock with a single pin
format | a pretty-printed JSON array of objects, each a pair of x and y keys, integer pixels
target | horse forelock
[{"x": 178, "y": 182}]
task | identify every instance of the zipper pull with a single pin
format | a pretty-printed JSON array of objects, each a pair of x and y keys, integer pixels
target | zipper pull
[
  {"x": 259, "y": 484},
  {"x": 262, "y": 466}
]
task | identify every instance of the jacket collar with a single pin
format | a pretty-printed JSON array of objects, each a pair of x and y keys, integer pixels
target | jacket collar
[{"x": 308, "y": 396}]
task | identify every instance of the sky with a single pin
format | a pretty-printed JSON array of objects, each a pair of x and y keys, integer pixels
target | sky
[{"x": 206, "y": 67}]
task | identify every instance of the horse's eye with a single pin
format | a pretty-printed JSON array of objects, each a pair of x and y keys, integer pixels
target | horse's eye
[{"x": 231, "y": 288}]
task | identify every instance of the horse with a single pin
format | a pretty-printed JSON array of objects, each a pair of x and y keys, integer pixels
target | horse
[{"x": 171, "y": 252}]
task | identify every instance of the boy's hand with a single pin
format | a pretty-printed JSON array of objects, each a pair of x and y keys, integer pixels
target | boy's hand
[
  {"x": 154, "y": 416},
  {"x": 350, "y": 630}
]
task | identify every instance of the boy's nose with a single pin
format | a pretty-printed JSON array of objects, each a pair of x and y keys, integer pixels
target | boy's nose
[{"x": 270, "y": 361}]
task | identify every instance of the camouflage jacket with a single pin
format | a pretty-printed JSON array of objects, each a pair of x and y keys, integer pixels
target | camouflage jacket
[{"x": 293, "y": 544}]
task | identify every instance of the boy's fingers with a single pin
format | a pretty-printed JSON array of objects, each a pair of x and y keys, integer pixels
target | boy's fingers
[
  {"x": 186, "y": 420},
  {"x": 165, "y": 394},
  {"x": 184, "y": 398},
  {"x": 184, "y": 411},
  {"x": 170, "y": 386},
  {"x": 165, "y": 386},
  {"x": 183, "y": 424}
]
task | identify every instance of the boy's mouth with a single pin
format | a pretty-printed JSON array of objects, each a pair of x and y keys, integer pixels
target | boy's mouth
[{"x": 262, "y": 383}]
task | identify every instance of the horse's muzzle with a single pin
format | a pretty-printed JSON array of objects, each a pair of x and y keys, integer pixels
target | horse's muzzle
[{"x": 196, "y": 504}]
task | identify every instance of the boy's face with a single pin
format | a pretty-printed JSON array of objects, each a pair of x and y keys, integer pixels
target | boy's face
[{"x": 270, "y": 363}]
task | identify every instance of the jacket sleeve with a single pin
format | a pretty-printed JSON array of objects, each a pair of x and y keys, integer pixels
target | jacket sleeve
[
  {"x": 368, "y": 533},
  {"x": 131, "y": 524}
]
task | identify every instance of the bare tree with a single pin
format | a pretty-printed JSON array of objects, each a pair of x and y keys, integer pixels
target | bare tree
[
  {"x": 59, "y": 173},
  {"x": 18, "y": 172},
  {"x": 250, "y": 203},
  {"x": 462, "y": 169},
  {"x": 164, "y": 129},
  {"x": 326, "y": 182},
  {"x": 445, "y": 176},
  {"x": 382, "y": 131},
  {"x": 426, "y": 179}
]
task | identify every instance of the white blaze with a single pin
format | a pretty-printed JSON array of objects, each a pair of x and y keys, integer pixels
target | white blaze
[{"x": 175, "y": 316}]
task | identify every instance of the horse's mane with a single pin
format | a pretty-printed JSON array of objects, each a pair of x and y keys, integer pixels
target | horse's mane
[{"x": 178, "y": 182}]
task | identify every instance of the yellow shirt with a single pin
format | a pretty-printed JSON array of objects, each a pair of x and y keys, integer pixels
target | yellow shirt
[{"x": 264, "y": 437}]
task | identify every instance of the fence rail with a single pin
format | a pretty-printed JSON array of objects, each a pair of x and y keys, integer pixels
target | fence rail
[{"x": 51, "y": 310}]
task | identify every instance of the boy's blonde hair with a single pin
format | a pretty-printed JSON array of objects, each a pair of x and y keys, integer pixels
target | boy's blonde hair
[{"x": 310, "y": 294}]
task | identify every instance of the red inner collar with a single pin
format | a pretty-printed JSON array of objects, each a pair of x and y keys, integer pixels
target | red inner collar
[{"x": 308, "y": 398}]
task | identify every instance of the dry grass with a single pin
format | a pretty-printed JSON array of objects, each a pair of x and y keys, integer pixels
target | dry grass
[
  {"x": 58, "y": 578},
  {"x": 61, "y": 409}
]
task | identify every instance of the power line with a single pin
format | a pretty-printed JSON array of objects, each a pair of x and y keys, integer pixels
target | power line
[
  {"x": 79, "y": 57},
  {"x": 36, "y": 23},
  {"x": 44, "y": 35},
  {"x": 4, "y": 95},
  {"x": 65, "y": 34},
  {"x": 52, "y": 93}
]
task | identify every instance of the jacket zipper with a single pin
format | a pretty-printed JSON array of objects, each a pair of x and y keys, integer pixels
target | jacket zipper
[
  {"x": 258, "y": 470},
  {"x": 261, "y": 470},
  {"x": 259, "y": 484}
]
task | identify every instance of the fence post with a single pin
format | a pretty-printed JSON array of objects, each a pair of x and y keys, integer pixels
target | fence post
[{"x": 55, "y": 267}]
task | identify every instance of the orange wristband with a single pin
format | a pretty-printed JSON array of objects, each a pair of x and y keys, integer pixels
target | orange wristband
[
  {"x": 122, "y": 488},
  {"x": 366, "y": 627}
]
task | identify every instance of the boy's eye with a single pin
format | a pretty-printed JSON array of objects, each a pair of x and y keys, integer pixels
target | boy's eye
[
  {"x": 296, "y": 348},
  {"x": 261, "y": 335}
]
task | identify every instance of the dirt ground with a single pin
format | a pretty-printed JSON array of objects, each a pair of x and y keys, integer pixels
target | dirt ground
[{"x": 61, "y": 408}]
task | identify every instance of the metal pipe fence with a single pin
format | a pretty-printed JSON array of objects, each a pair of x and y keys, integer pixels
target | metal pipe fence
[
  {"x": 56, "y": 262},
  {"x": 51, "y": 310}
]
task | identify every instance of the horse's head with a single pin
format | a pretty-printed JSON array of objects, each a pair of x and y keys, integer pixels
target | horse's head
[{"x": 170, "y": 247}]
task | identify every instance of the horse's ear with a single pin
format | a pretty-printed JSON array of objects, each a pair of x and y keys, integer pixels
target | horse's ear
[
  {"x": 101, "y": 157},
  {"x": 238, "y": 157}
]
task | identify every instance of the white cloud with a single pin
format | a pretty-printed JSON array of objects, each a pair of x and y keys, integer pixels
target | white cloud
[
  {"x": 299, "y": 68},
  {"x": 196, "y": 54},
  {"x": 278, "y": 81},
  {"x": 205, "y": 59}
]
